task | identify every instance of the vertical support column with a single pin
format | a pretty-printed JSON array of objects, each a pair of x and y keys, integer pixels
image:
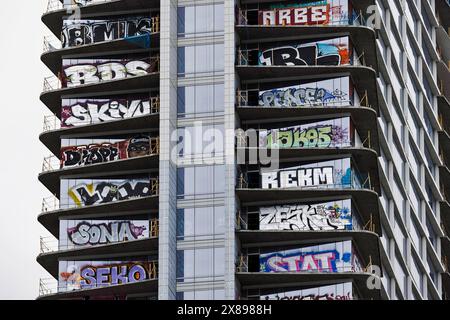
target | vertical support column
[
  {"x": 167, "y": 169},
  {"x": 230, "y": 165}
]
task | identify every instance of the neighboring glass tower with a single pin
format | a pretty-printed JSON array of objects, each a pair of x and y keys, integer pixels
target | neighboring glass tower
[{"x": 247, "y": 149}]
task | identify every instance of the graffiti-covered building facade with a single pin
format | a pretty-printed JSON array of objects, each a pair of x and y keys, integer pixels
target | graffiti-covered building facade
[{"x": 241, "y": 150}]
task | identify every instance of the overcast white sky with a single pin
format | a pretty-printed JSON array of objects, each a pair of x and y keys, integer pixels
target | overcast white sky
[{"x": 21, "y": 76}]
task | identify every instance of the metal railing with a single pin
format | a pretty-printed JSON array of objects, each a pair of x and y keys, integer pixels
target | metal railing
[
  {"x": 51, "y": 83},
  {"x": 51, "y": 122},
  {"x": 50, "y": 204},
  {"x": 48, "y": 244},
  {"x": 242, "y": 264},
  {"x": 51, "y": 163},
  {"x": 51, "y": 43},
  {"x": 47, "y": 286},
  {"x": 54, "y": 5}
]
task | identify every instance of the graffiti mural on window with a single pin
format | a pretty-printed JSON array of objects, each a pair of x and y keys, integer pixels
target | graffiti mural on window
[
  {"x": 327, "y": 258},
  {"x": 335, "y": 215},
  {"x": 333, "y": 52},
  {"x": 342, "y": 291},
  {"x": 80, "y": 112},
  {"x": 76, "y": 233},
  {"x": 81, "y": 32},
  {"x": 332, "y": 92},
  {"x": 88, "y": 71},
  {"x": 92, "y": 192},
  {"x": 322, "y": 12},
  {"x": 100, "y": 152},
  {"x": 325, "y": 134},
  {"x": 334, "y": 173},
  {"x": 80, "y": 275}
]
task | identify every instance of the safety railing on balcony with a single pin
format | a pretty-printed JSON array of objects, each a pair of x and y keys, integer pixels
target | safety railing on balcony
[
  {"x": 242, "y": 264},
  {"x": 51, "y": 43},
  {"x": 50, "y": 204},
  {"x": 51, "y": 83},
  {"x": 51, "y": 163},
  {"x": 51, "y": 122},
  {"x": 70, "y": 5},
  {"x": 48, "y": 244},
  {"x": 47, "y": 286}
]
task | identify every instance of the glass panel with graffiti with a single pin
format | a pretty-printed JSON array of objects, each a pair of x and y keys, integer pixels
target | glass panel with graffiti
[
  {"x": 75, "y": 234},
  {"x": 77, "y": 193},
  {"x": 335, "y": 133},
  {"x": 339, "y": 174},
  {"x": 324, "y": 258},
  {"x": 324, "y": 216},
  {"x": 135, "y": 29},
  {"x": 86, "y": 111},
  {"x": 296, "y": 13},
  {"x": 329, "y": 52},
  {"x": 327, "y": 93},
  {"x": 82, "y": 275},
  {"x": 77, "y": 72},
  {"x": 82, "y": 152}
]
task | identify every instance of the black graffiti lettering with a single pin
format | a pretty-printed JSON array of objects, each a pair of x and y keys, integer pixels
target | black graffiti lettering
[
  {"x": 96, "y": 111},
  {"x": 318, "y": 53},
  {"x": 81, "y": 32},
  {"x": 302, "y": 177},
  {"x": 86, "y": 197},
  {"x": 91, "y": 154},
  {"x": 81, "y": 74},
  {"x": 76, "y": 37},
  {"x": 106, "y": 192},
  {"x": 295, "y": 97},
  {"x": 287, "y": 56},
  {"x": 72, "y": 158},
  {"x": 103, "y": 233},
  {"x": 108, "y": 31}
]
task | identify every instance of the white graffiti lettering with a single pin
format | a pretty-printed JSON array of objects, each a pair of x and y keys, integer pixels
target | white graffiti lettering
[
  {"x": 81, "y": 32},
  {"x": 327, "y": 216},
  {"x": 81, "y": 74},
  {"x": 303, "y": 177},
  {"x": 91, "y": 112},
  {"x": 93, "y": 234}
]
